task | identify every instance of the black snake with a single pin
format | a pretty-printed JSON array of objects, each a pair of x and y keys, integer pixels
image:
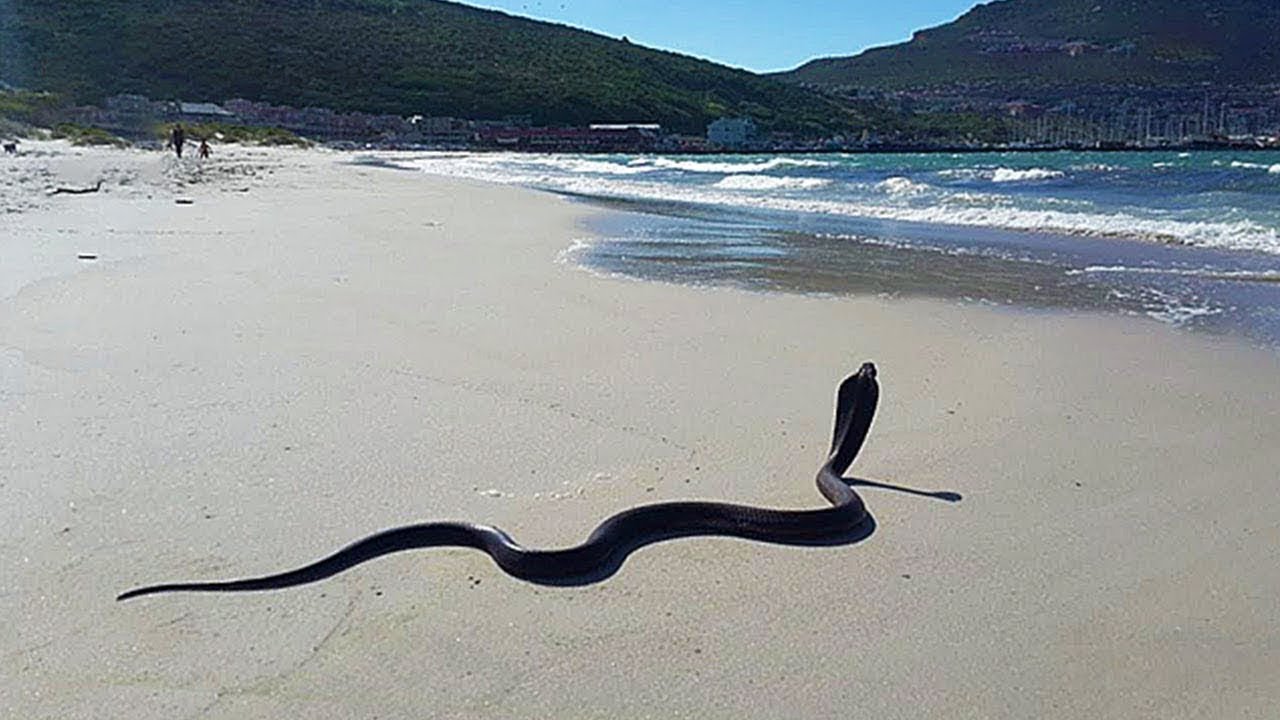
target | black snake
[{"x": 617, "y": 536}]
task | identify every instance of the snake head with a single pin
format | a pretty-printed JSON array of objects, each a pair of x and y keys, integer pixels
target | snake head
[{"x": 855, "y": 408}]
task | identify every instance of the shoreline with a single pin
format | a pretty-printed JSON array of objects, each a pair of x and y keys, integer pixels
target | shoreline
[
  {"x": 950, "y": 228},
  {"x": 629, "y": 243},
  {"x": 341, "y": 349},
  {"x": 905, "y": 149}
]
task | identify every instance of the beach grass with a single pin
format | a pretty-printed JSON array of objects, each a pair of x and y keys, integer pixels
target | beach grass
[
  {"x": 84, "y": 135},
  {"x": 241, "y": 134}
]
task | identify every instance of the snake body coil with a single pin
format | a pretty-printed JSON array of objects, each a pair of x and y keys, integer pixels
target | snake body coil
[{"x": 617, "y": 536}]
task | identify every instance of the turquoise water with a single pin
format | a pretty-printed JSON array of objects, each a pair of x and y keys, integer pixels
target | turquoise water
[{"x": 1191, "y": 239}]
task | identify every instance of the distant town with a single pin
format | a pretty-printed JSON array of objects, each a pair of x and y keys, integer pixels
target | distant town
[
  {"x": 1102, "y": 116},
  {"x": 1146, "y": 119}
]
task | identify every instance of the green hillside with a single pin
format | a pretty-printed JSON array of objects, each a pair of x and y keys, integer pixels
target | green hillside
[
  {"x": 1075, "y": 42},
  {"x": 394, "y": 56}
]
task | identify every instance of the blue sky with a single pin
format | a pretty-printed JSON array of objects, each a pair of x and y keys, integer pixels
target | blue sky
[{"x": 758, "y": 35}]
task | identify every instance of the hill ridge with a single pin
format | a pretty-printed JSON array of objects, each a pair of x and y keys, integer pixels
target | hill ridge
[
  {"x": 405, "y": 57},
  {"x": 1064, "y": 42}
]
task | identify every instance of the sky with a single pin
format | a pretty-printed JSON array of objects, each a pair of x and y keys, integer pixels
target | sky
[{"x": 760, "y": 35}]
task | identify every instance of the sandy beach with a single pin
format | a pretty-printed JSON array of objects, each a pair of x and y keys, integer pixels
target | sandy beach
[{"x": 305, "y": 350}]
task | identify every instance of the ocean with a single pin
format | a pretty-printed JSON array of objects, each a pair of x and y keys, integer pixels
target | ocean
[{"x": 1188, "y": 239}]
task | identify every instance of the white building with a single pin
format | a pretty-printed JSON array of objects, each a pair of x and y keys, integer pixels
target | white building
[
  {"x": 732, "y": 132},
  {"x": 203, "y": 112}
]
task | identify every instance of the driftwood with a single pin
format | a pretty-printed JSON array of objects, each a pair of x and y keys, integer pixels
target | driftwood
[{"x": 76, "y": 191}]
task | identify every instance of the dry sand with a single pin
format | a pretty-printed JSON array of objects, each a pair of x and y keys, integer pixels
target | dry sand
[{"x": 312, "y": 351}]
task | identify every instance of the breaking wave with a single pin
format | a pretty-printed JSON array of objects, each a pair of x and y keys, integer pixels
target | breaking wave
[
  {"x": 1004, "y": 175},
  {"x": 1012, "y": 175},
  {"x": 769, "y": 182},
  {"x": 1273, "y": 169},
  {"x": 728, "y": 168},
  {"x": 831, "y": 188},
  {"x": 903, "y": 186}
]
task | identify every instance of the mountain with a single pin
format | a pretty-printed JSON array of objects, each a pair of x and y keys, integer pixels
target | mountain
[
  {"x": 1074, "y": 42},
  {"x": 384, "y": 56}
]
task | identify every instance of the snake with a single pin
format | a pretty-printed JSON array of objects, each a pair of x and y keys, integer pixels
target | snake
[{"x": 606, "y": 547}]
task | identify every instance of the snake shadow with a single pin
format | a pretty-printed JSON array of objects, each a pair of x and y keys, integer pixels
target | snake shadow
[{"x": 857, "y": 534}]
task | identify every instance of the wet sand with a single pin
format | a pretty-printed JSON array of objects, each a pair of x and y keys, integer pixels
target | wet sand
[{"x": 1172, "y": 284}]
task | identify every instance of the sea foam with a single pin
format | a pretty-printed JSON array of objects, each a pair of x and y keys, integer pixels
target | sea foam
[
  {"x": 730, "y": 168},
  {"x": 1004, "y": 175},
  {"x": 897, "y": 198},
  {"x": 903, "y": 186},
  {"x": 769, "y": 182}
]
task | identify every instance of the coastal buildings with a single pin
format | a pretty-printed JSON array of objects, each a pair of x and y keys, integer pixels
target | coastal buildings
[
  {"x": 595, "y": 138},
  {"x": 124, "y": 115},
  {"x": 201, "y": 112},
  {"x": 733, "y": 133},
  {"x": 446, "y": 133},
  {"x": 321, "y": 123},
  {"x": 1125, "y": 118}
]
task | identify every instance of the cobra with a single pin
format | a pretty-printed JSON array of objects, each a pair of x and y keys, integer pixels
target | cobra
[{"x": 607, "y": 546}]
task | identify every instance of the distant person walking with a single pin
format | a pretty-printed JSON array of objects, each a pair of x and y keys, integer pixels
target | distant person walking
[
  {"x": 176, "y": 138},
  {"x": 204, "y": 148}
]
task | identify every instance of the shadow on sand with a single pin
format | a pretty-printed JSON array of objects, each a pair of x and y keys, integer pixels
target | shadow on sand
[{"x": 863, "y": 531}]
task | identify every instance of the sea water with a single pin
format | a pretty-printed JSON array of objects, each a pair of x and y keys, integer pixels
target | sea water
[{"x": 1190, "y": 239}]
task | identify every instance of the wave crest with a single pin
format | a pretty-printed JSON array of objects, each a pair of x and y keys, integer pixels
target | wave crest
[
  {"x": 769, "y": 182},
  {"x": 1004, "y": 175},
  {"x": 727, "y": 168},
  {"x": 895, "y": 198},
  {"x": 902, "y": 186}
]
